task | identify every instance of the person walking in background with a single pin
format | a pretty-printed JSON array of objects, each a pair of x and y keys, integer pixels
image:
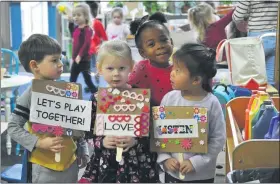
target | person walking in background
[
  {"x": 262, "y": 18},
  {"x": 98, "y": 37},
  {"x": 81, "y": 45}
]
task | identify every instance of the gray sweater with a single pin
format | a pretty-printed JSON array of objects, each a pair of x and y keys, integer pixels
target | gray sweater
[
  {"x": 204, "y": 164},
  {"x": 18, "y": 119}
]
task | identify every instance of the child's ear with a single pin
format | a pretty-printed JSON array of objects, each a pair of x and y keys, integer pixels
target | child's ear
[
  {"x": 171, "y": 41},
  {"x": 142, "y": 53},
  {"x": 33, "y": 66},
  {"x": 197, "y": 80},
  {"x": 98, "y": 67}
]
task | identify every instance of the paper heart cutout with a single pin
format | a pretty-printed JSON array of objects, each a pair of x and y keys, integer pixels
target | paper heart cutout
[
  {"x": 110, "y": 90},
  {"x": 125, "y": 107},
  {"x": 116, "y": 92},
  {"x": 125, "y": 93},
  {"x": 119, "y": 119},
  {"x": 137, "y": 126},
  {"x": 111, "y": 118},
  {"x": 140, "y": 97},
  {"x": 146, "y": 109},
  {"x": 127, "y": 118},
  {"x": 122, "y": 100},
  {"x": 144, "y": 92},
  {"x": 117, "y": 108},
  {"x": 137, "y": 119},
  {"x": 147, "y": 100},
  {"x": 132, "y": 107},
  {"x": 140, "y": 105},
  {"x": 133, "y": 95},
  {"x": 56, "y": 91}
]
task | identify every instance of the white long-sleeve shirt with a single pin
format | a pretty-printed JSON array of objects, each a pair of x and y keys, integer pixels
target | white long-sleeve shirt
[
  {"x": 119, "y": 32},
  {"x": 204, "y": 164}
]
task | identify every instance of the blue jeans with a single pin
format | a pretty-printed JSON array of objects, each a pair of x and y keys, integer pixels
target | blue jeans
[{"x": 269, "y": 44}]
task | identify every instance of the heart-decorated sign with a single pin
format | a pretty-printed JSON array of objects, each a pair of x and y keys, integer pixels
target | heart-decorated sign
[
  {"x": 124, "y": 112},
  {"x": 59, "y": 104}
]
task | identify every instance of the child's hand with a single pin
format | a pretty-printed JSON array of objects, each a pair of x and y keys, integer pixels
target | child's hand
[
  {"x": 78, "y": 59},
  {"x": 82, "y": 162},
  {"x": 172, "y": 164},
  {"x": 53, "y": 144},
  {"x": 109, "y": 142},
  {"x": 125, "y": 142},
  {"x": 186, "y": 167}
]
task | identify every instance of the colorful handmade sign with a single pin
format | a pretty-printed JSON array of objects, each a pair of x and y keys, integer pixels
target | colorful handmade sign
[
  {"x": 123, "y": 112},
  {"x": 59, "y": 104},
  {"x": 179, "y": 129}
]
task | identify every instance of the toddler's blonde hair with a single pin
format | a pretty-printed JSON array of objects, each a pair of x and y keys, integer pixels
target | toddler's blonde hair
[
  {"x": 117, "y": 48},
  {"x": 200, "y": 18},
  {"x": 86, "y": 11}
]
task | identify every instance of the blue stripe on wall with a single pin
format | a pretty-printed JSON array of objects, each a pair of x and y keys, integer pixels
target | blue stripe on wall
[
  {"x": 15, "y": 22},
  {"x": 52, "y": 20}
]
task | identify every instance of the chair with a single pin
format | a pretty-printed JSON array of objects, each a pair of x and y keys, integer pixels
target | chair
[
  {"x": 13, "y": 61},
  {"x": 12, "y": 69},
  {"x": 17, "y": 173}
]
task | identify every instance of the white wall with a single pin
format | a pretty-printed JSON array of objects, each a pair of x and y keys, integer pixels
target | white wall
[{"x": 34, "y": 17}]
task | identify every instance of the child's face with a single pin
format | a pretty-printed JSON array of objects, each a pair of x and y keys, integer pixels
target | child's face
[
  {"x": 78, "y": 16},
  {"x": 50, "y": 68},
  {"x": 156, "y": 45},
  {"x": 180, "y": 77},
  {"x": 117, "y": 18},
  {"x": 115, "y": 71}
]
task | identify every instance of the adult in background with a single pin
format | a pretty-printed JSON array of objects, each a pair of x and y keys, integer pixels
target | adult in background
[{"x": 262, "y": 18}]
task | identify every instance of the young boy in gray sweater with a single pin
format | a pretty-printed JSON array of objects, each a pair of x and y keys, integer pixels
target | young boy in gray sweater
[{"x": 40, "y": 55}]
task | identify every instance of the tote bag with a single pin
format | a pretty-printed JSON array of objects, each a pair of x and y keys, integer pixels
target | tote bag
[{"x": 246, "y": 60}]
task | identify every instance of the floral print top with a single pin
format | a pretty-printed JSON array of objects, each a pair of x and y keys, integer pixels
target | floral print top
[{"x": 137, "y": 166}]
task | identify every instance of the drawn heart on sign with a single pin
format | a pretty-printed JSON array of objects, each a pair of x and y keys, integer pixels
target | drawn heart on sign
[
  {"x": 122, "y": 100},
  {"x": 116, "y": 92},
  {"x": 117, "y": 108},
  {"x": 146, "y": 109},
  {"x": 110, "y": 96},
  {"x": 127, "y": 102},
  {"x": 140, "y": 105},
  {"x": 103, "y": 99},
  {"x": 147, "y": 100}
]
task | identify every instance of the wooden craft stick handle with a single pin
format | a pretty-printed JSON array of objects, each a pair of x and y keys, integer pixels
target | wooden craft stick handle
[
  {"x": 57, "y": 157},
  {"x": 119, "y": 154},
  {"x": 181, "y": 159}
]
